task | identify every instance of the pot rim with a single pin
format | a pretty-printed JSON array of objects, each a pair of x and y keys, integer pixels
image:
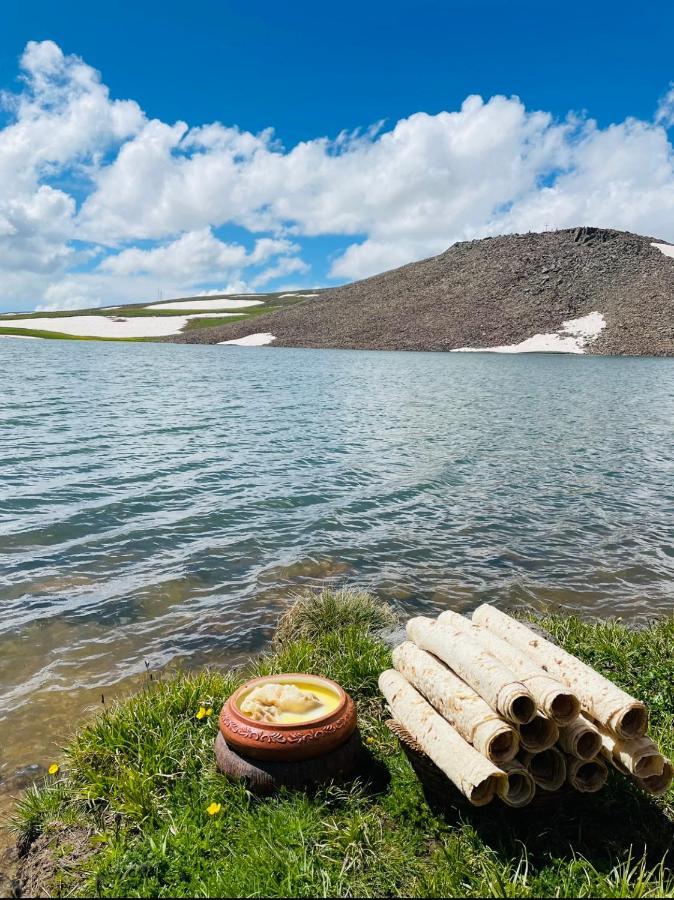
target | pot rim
[{"x": 234, "y": 710}]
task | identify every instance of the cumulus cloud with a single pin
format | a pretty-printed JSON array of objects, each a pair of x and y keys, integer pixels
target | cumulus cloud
[
  {"x": 665, "y": 111},
  {"x": 195, "y": 255},
  {"x": 149, "y": 196},
  {"x": 286, "y": 265},
  {"x": 91, "y": 289},
  {"x": 61, "y": 121},
  {"x": 69, "y": 294}
]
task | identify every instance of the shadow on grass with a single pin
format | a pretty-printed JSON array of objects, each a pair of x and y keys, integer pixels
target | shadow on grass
[{"x": 617, "y": 823}]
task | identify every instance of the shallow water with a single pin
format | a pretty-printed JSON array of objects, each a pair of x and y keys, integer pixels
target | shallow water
[{"x": 158, "y": 503}]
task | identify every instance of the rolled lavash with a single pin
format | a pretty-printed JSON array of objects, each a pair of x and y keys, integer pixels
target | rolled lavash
[
  {"x": 521, "y": 786},
  {"x": 466, "y": 656},
  {"x": 581, "y": 739},
  {"x": 547, "y": 768},
  {"x": 657, "y": 785},
  {"x": 639, "y": 757},
  {"x": 476, "y": 777},
  {"x": 553, "y": 698},
  {"x": 600, "y": 698},
  {"x": 539, "y": 734},
  {"x": 463, "y": 708},
  {"x": 586, "y": 775}
]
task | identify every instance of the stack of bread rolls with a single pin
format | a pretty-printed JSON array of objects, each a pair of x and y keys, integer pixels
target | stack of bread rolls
[{"x": 505, "y": 713}]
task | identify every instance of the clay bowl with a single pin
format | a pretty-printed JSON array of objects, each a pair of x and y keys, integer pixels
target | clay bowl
[{"x": 278, "y": 742}]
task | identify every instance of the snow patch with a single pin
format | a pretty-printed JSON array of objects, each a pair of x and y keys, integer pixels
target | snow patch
[
  {"x": 110, "y": 326},
  {"x": 294, "y": 294},
  {"x": 667, "y": 249},
  {"x": 218, "y": 315},
  {"x": 223, "y": 303},
  {"x": 252, "y": 340},
  {"x": 572, "y": 337}
]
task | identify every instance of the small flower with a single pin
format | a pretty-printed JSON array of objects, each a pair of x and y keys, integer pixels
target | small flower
[
  {"x": 214, "y": 809},
  {"x": 209, "y": 711},
  {"x": 369, "y": 740},
  {"x": 53, "y": 768},
  {"x": 201, "y": 713}
]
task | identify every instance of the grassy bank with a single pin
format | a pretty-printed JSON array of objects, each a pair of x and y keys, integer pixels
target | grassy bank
[
  {"x": 127, "y": 813},
  {"x": 61, "y": 336}
]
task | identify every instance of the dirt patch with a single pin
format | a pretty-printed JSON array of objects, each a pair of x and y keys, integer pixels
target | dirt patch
[
  {"x": 488, "y": 293},
  {"x": 49, "y": 859},
  {"x": 9, "y": 864}
]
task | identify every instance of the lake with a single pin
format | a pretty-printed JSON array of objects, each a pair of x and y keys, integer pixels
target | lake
[{"x": 160, "y": 503}]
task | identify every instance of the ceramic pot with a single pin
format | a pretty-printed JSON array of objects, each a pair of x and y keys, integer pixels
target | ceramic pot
[{"x": 288, "y": 743}]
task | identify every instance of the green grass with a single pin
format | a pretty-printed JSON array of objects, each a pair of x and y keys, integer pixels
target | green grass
[
  {"x": 53, "y": 335},
  {"x": 312, "y": 616},
  {"x": 127, "y": 312},
  {"x": 138, "y": 780},
  {"x": 124, "y": 311},
  {"x": 195, "y": 324},
  {"x": 230, "y": 319}
]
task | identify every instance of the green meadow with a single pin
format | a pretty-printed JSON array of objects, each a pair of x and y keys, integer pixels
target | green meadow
[{"x": 127, "y": 812}]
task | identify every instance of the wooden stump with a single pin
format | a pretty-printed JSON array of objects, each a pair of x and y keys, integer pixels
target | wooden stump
[{"x": 263, "y": 777}]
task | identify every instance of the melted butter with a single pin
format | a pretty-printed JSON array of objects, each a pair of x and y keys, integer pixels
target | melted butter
[{"x": 329, "y": 701}]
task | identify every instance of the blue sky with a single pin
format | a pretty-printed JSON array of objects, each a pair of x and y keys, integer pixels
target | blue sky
[
  {"x": 95, "y": 221},
  {"x": 309, "y": 69}
]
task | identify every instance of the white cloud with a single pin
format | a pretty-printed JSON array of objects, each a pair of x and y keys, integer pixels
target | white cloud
[
  {"x": 286, "y": 265},
  {"x": 69, "y": 294},
  {"x": 199, "y": 255},
  {"x": 81, "y": 291},
  {"x": 149, "y": 195},
  {"x": 195, "y": 254},
  {"x": 62, "y": 116},
  {"x": 265, "y": 248},
  {"x": 665, "y": 112},
  {"x": 61, "y": 121}
]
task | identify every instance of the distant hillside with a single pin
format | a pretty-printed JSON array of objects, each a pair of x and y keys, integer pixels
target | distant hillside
[
  {"x": 147, "y": 321},
  {"x": 487, "y": 293}
]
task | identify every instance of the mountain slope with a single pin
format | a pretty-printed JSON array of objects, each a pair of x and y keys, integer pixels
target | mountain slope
[{"x": 490, "y": 292}]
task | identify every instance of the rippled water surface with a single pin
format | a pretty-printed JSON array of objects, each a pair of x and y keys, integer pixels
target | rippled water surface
[{"x": 158, "y": 503}]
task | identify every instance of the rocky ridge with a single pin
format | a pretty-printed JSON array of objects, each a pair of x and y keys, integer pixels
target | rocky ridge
[{"x": 488, "y": 293}]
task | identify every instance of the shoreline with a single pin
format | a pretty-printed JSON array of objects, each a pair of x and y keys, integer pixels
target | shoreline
[
  {"x": 154, "y": 739},
  {"x": 276, "y": 345}
]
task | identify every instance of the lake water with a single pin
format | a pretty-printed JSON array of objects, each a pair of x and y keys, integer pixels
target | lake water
[{"x": 159, "y": 503}]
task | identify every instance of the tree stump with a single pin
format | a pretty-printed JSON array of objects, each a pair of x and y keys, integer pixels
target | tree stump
[{"x": 263, "y": 777}]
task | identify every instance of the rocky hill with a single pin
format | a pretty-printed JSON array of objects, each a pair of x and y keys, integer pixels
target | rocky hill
[{"x": 489, "y": 293}]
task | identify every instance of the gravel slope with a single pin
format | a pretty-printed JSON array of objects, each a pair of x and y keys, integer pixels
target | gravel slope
[{"x": 488, "y": 293}]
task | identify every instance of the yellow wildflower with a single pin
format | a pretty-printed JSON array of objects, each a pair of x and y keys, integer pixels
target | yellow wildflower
[
  {"x": 201, "y": 713},
  {"x": 209, "y": 711},
  {"x": 214, "y": 809},
  {"x": 53, "y": 768}
]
